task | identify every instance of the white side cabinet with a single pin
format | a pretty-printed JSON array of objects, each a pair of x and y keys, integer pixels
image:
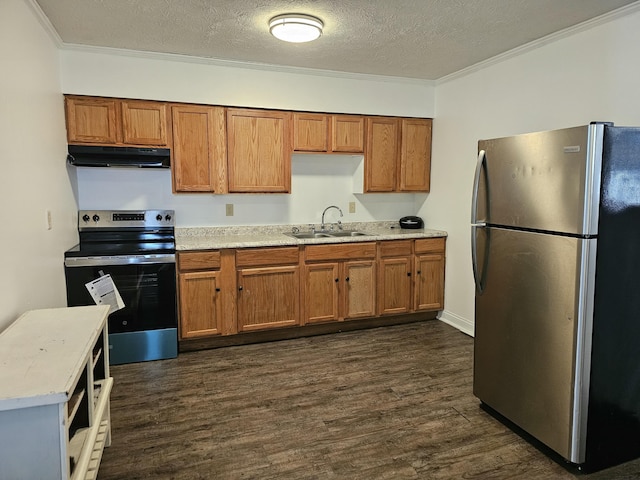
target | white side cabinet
[{"x": 54, "y": 394}]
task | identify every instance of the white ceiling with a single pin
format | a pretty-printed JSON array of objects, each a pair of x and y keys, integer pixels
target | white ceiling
[{"x": 422, "y": 39}]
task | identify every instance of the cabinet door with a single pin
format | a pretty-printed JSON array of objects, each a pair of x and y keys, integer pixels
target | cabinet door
[
  {"x": 268, "y": 297},
  {"x": 321, "y": 292},
  {"x": 415, "y": 157},
  {"x": 259, "y": 151},
  {"x": 199, "y": 149},
  {"x": 144, "y": 123},
  {"x": 429, "y": 282},
  {"x": 200, "y": 304},
  {"x": 91, "y": 120},
  {"x": 310, "y": 132},
  {"x": 381, "y": 155},
  {"x": 394, "y": 285},
  {"x": 347, "y": 133},
  {"x": 359, "y": 289}
]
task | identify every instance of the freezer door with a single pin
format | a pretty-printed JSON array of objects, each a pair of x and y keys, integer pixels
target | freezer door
[
  {"x": 532, "y": 334},
  {"x": 545, "y": 181}
]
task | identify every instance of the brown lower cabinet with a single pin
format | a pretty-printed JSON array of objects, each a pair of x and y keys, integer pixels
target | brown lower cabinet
[
  {"x": 429, "y": 274},
  {"x": 395, "y": 292},
  {"x": 200, "y": 294},
  {"x": 268, "y": 288},
  {"x": 339, "y": 282},
  {"x": 229, "y": 291}
]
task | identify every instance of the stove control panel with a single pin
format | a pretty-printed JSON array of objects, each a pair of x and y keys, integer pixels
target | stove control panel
[{"x": 91, "y": 219}]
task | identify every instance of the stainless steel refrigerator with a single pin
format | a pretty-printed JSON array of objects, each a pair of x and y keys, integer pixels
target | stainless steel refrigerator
[{"x": 556, "y": 261}]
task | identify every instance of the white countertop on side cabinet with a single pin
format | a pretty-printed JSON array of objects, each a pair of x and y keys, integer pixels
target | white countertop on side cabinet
[{"x": 38, "y": 340}]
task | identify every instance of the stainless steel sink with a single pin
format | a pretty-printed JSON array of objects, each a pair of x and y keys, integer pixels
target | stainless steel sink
[
  {"x": 338, "y": 233},
  {"x": 348, "y": 233},
  {"x": 309, "y": 235}
]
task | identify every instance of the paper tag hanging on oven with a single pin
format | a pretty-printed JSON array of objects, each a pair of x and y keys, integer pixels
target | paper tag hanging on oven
[{"x": 104, "y": 292}]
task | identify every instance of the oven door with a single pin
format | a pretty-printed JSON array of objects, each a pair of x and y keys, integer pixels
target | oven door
[{"x": 146, "y": 328}]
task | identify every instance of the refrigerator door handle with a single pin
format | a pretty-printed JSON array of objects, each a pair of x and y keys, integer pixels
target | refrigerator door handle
[
  {"x": 476, "y": 185},
  {"x": 474, "y": 258},
  {"x": 474, "y": 220}
]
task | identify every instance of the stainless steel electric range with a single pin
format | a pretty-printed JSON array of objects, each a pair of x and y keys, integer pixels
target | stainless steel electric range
[{"x": 134, "y": 253}]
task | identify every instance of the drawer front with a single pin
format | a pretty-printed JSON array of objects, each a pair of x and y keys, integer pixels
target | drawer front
[
  {"x": 258, "y": 257},
  {"x": 427, "y": 245},
  {"x": 205, "y": 260},
  {"x": 396, "y": 248},
  {"x": 342, "y": 251}
]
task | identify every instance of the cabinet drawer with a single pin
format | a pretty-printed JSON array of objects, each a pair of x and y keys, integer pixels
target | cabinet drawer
[
  {"x": 427, "y": 245},
  {"x": 344, "y": 251},
  {"x": 257, "y": 257},
  {"x": 205, "y": 260},
  {"x": 395, "y": 248}
]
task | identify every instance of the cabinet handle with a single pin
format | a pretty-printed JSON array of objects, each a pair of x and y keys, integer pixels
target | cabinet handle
[
  {"x": 240, "y": 289},
  {"x": 419, "y": 272},
  {"x": 217, "y": 289},
  {"x": 337, "y": 280},
  {"x": 347, "y": 279},
  {"x": 408, "y": 274}
]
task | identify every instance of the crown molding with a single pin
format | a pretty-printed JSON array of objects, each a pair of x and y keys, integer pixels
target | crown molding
[
  {"x": 44, "y": 22},
  {"x": 551, "y": 38}
]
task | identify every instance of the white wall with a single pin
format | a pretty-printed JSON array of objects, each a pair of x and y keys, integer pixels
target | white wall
[
  {"x": 588, "y": 76},
  {"x": 34, "y": 176},
  {"x": 317, "y": 181}
]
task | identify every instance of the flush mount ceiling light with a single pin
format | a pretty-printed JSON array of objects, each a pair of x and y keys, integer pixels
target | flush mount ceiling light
[{"x": 296, "y": 27}]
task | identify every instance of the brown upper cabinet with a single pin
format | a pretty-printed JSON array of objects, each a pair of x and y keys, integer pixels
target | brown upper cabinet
[
  {"x": 397, "y": 154},
  {"x": 259, "y": 151},
  {"x": 199, "y": 149},
  {"x": 112, "y": 121},
  {"x": 415, "y": 155},
  {"x": 321, "y": 133},
  {"x": 381, "y": 156},
  {"x": 219, "y": 149}
]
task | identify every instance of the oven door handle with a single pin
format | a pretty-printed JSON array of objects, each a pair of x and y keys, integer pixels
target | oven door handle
[{"x": 120, "y": 260}]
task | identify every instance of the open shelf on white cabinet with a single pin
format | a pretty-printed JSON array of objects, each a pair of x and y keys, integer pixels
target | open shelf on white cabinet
[{"x": 54, "y": 403}]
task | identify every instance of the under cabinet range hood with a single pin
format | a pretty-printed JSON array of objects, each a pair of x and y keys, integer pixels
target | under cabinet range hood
[{"x": 98, "y": 156}]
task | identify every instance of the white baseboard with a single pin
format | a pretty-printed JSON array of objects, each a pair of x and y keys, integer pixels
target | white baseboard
[{"x": 463, "y": 324}]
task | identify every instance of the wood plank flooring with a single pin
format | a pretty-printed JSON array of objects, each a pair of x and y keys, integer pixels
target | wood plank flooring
[{"x": 386, "y": 403}]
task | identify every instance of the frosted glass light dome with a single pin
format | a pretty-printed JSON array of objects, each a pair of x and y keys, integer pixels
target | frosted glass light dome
[{"x": 295, "y": 27}]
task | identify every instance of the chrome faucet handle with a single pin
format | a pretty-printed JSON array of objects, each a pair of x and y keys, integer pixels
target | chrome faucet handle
[
  {"x": 339, "y": 225},
  {"x": 312, "y": 228},
  {"x": 295, "y": 230}
]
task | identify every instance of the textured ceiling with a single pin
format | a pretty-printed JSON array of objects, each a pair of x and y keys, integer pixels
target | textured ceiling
[{"x": 423, "y": 39}]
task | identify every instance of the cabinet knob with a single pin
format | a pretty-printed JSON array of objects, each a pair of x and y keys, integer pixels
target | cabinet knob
[
  {"x": 217, "y": 289},
  {"x": 240, "y": 288},
  {"x": 347, "y": 279},
  {"x": 337, "y": 280},
  {"x": 408, "y": 274},
  {"x": 419, "y": 272}
]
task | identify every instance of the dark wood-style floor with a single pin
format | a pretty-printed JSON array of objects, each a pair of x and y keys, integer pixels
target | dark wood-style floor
[{"x": 387, "y": 403}]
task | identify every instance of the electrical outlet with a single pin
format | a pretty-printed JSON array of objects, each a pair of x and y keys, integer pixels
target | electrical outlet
[
  {"x": 352, "y": 207},
  {"x": 229, "y": 208},
  {"x": 49, "y": 222}
]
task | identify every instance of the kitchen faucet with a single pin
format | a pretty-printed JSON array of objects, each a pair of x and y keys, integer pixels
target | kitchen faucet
[{"x": 325, "y": 211}]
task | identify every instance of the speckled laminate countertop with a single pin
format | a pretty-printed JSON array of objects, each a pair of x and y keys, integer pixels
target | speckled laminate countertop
[{"x": 205, "y": 238}]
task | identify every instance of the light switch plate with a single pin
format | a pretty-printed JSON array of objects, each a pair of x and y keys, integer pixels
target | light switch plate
[
  {"x": 229, "y": 209},
  {"x": 352, "y": 207}
]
